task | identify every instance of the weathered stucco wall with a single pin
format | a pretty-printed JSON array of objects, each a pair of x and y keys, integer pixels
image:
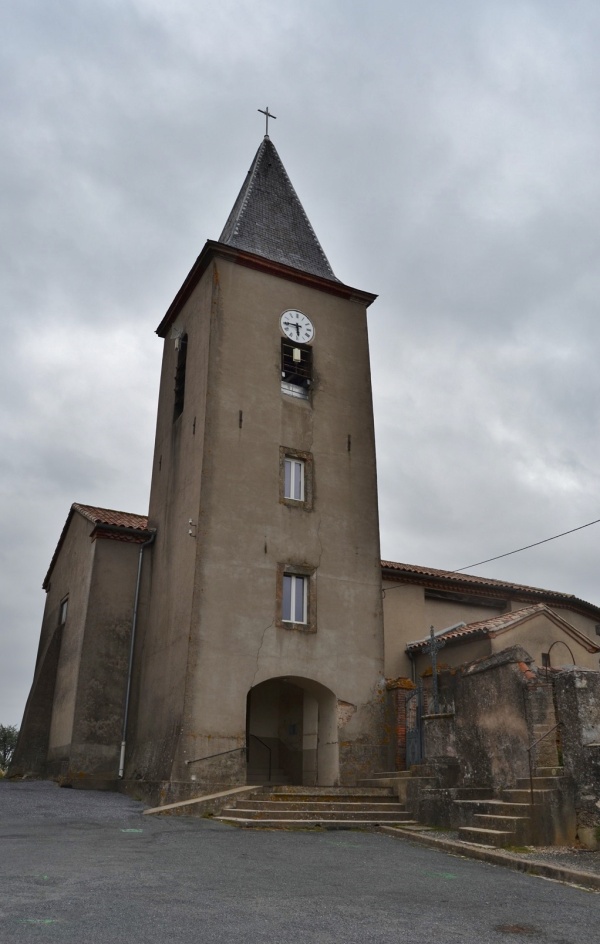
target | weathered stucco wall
[
  {"x": 541, "y": 634},
  {"x": 169, "y": 605},
  {"x": 404, "y": 621},
  {"x": 97, "y": 729},
  {"x": 224, "y": 612},
  {"x": 72, "y": 722},
  {"x": 71, "y": 578}
]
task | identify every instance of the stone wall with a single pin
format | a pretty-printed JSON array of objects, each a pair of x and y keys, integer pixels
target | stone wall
[
  {"x": 492, "y": 722},
  {"x": 578, "y": 703}
]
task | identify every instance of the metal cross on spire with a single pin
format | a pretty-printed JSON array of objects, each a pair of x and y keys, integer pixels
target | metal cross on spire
[
  {"x": 432, "y": 648},
  {"x": 267, "y": 114}
]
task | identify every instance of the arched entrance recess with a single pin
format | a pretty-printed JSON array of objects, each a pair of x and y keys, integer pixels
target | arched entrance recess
[{"x": 291, "y": 724}]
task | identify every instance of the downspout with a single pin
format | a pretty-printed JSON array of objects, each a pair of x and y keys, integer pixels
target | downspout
[{"x": 146, "y": 544}]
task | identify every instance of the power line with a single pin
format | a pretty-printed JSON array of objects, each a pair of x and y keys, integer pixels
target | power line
[{"x": 526, "y": 548}]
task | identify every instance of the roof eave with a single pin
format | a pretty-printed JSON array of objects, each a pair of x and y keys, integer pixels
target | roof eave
[
  {"x": 494, "y": 588},
  {"x": 251, "y": 260},
  {"x": 417, "y": 648}
]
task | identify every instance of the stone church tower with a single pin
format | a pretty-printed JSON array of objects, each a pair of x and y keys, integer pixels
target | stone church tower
[
  {"x": 260, "y": 639},
  {"x": 236, "y": 634}
]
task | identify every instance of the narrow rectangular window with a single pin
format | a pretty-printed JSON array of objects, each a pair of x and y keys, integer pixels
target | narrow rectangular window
[
  {"x": 180, "y": 377},
  {"x": 294, "y": 479},
  {"x": 294, "y": 602},
  {"x": 62, "y": 612}
]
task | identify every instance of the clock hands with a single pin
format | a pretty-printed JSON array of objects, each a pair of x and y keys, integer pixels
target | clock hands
[{"x": 293, "y": 324}]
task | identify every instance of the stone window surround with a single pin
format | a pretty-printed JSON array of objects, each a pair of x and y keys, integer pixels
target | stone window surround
[
  {"x": 286, "y": 452},
  {"x": 297, "y": 570}
]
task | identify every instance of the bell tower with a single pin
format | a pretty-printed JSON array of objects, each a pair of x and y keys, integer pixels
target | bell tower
[{"x": 260, "y": 643}]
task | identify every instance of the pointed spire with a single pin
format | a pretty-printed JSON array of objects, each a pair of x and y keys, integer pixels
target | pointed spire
[{"x": 268, "y": 219}]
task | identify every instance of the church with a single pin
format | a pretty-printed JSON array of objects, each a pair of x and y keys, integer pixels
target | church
[{"x": 247, "y": 624}]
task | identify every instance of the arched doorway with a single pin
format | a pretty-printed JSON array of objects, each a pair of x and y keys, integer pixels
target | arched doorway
[{"x": 291, "y": 726}]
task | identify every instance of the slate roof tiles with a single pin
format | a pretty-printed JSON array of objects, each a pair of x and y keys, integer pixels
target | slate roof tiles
[{"x": 268, "y": 219}]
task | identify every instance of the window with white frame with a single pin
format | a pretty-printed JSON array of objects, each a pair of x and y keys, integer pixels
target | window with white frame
[
  {"x": 293, "y": 479},
  {"x": 296, "y": 478},
  {"x": 294, "y": 600}
]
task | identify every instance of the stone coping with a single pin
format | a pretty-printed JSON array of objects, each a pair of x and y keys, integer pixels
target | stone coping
[{"x": 201, "y": 800}]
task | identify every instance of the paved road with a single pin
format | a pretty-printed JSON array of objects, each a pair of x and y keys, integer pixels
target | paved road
[{"x": 88, "y": 868}]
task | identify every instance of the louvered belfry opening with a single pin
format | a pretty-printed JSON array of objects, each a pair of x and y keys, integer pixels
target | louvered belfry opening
[
  {"x": 296, "y": 363},
  {"x": 180, "y": 377}
]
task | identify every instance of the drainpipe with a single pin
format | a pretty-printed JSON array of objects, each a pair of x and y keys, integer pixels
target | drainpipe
[{"x": 146, "y": 544}]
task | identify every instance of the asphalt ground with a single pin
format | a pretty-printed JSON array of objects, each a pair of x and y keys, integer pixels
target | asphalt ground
[{"x": 88, "y": 867}]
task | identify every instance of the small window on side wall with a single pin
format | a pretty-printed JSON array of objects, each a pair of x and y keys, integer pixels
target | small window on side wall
[
  {"x": 295, "y": 478},
  {"x": 180, "y": 376},
  {"x": 62, "y": 611},
  {"x": 296, "y": 602}
]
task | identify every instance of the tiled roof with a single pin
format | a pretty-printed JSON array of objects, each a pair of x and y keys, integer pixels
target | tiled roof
[
  {"x": 107, "y": 517},
  {"x": 498, "y": 624},
  {"x": 122, "y": 519},
  {"x": 452, "y": 576},
  {"x": 487, "y": 627},
  {"x": 268, "y": 219}
]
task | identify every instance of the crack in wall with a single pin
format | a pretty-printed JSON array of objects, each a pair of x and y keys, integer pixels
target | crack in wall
[{"x": 262, "y": 641}]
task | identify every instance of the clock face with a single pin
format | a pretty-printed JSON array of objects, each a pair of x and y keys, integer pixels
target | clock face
[{"x": 297, "y": 327}]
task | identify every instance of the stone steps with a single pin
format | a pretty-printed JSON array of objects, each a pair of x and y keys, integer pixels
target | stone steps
[
  {"x": 507, "y": 818},
  {"x": 371, "y": 814},
  {"x": 548, "y": 771},
  {"x": 522, "y": 795},
  {"x": 334, "y": 792},
  {"x": 519, "y": 827},
  {"x": 539, "y": 783},
  {"x": 307, "y": 823},
  {"x": 486, "y": 837},
  {"x": 496, "y": 807},
  {"x": 348, "y": 805},
  {"x": 330, "y": 807}
]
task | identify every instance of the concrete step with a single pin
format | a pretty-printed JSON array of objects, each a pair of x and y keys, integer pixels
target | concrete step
[
  {"x": 330, "y": 795},
  {"x": 518, "y": 826},
  {"x": 493, "y": 807},
  {"x": 329, "y": 807},
  {"x": 520, "y": 795},
  {"x": 548, "y": 771},
  {"x": 540, "y": 783},
  {"x": 474, "y": 793},
  {"x": 349, "y": 805},
  {"x": 298, "y": 823},
  {"x": 486, "y": 837},
  {"x": 363, "y": 815},
  {"x": 390, "y": 773}
]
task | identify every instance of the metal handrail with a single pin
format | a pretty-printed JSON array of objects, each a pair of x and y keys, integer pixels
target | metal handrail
[
  {"x": 529, "y": 750},
  {"x": 220, "y": 754},
  {"x": 267, "y": 747}
]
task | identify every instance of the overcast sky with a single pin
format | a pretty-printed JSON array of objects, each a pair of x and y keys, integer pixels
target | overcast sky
[{"x": 447, "y": 155}]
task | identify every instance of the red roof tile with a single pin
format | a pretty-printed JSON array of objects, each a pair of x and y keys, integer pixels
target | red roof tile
[
  {"x": 454, "y": 576},
  {"x": 498, "y": 624},
  {"x": 99, "y": 517},
  {"x": 122, "y": 519}
]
